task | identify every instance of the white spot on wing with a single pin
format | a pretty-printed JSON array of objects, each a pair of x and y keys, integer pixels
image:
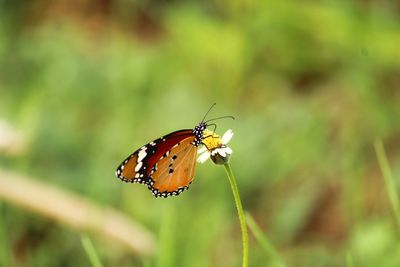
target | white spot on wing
[
  {"x": 138, "y": 166},
  {"x": 142, "y": 154}
]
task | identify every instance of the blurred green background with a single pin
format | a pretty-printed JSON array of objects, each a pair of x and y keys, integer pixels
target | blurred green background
[{"x": 311, "y": 84}]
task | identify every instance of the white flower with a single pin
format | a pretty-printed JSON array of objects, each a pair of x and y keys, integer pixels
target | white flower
[{"x": 215, "y": 147}]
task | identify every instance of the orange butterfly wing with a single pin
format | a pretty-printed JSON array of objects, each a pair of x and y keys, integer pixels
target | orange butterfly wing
[
  {"x": 146, "y": 164},
  {"x": 167, "y": 164},
  {"x": 173, "y": 174}
]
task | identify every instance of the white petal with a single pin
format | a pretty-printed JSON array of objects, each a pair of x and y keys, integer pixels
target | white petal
[
  {"x": 227, "y": 137},
  {"x": 228, "y": 150},
  {"x": 203, "y": 157},
  {"x": 202, "y": 149},
  {"x": 221, "y": 151}
]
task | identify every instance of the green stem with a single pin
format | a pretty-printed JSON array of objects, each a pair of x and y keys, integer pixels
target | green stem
[{"x": 242, "y": 219}]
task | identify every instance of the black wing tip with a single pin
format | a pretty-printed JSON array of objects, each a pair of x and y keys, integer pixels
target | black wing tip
[
  {"x": 166, "y": 194},
  {"x": 119, "y": 175},
  {"x": 149, "y": 182},
  {"x": 156, "y": 193}
]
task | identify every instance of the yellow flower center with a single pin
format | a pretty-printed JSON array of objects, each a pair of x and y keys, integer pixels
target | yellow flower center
[{"x": 211, "y": 140}]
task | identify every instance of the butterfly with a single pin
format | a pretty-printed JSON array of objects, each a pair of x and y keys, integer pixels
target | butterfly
[{"x": 167, "y": 164}]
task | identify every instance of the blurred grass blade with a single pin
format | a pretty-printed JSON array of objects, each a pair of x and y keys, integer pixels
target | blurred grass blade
[
  {"x": 167, "y": 243},
  {"x": 75, "y": 211},
  {"x": 5, "y": 259},
  {"x": 264, "y": 242},
  {"x": 349, "y": 260},
  {"x": 90, "y": 251},
  {"x": 389, "y": 180}
]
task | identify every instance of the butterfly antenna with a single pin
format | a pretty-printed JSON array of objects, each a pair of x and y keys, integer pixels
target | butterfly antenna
[
  {"x": 215, "y": 127},
  {"x": 208, "y": 112},
  {"x": 223, "y": 117}
]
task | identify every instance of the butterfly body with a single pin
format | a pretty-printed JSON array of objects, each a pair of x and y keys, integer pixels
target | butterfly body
[{"x": 167, "y": 164}]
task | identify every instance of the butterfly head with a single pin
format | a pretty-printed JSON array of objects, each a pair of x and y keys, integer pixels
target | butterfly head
[{"x": 198, "y": 133}]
